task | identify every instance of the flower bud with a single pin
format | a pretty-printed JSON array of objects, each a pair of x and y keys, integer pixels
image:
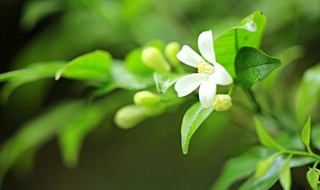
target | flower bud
[
  {"x": 222, "y": 102},
  {"x": 171, "y": 50},
  {"x": 153, "y": 58},
  {"x": 154, "y": 110},
  {"x": 129, "y": 116},
  {"x": 146, "y": 98}
]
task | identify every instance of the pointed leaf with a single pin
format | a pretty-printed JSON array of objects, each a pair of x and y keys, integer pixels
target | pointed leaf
[
  {"x": 253, "y": 65},
  {"x": 263, "y": 165},
  {"x": 192, "y": 119},
  {"x": 306, "y": 132},
  {"x": 94, "y": 66},
  {"x": 264, "y": 137},
  {"x": 34, "y": 72},
  {"x": 37, "y": 70},
  {"x": 72, "y": 135},
  {"x": 236, "y": 169},
  {"x": 309, "y": 93},
  {"x": 37, "y": 132},
  {"x": 285, "y": 175},
  {"x": 271, "y": 177},
  {"x": 313, "y": 178},
  {"x": 248, "y": 32},
  {"x": 315, "y": 140}
]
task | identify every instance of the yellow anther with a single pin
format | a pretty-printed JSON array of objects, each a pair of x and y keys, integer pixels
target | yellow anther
[{"x": 205, "y": 68}]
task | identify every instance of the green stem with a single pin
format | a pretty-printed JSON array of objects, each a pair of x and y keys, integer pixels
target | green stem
[
  {"x": 301, "y": 153},
  {"x": 253, "y": 100},
  {"x": 179, "y": 68},
  {"x": 231, "y": 90}
]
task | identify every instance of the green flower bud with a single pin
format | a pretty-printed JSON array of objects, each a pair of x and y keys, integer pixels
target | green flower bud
[
  {"x": 155, "y": 110},
  {"x": 146, "y": 98},
  {"x": 129, "y": 116},
  {"x": 222, "y": 102},
  {"x": 153, "y": 58},
  {"x": 171, "y": 50}
]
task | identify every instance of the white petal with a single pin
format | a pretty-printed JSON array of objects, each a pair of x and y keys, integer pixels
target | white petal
[
  {"x": 189, "y": 83},
  {"x": 221, "y": 75},
  {"x": 205, "y": 43},
  {"x": 207, "y": 92},
  {"x": 189, "y": 56}
]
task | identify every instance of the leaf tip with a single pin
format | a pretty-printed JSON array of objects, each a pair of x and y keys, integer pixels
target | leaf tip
[{"x": 58, "y": 74}]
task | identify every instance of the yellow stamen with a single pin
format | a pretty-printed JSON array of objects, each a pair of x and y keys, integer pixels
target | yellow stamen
[{"x": 205, "y": 68}]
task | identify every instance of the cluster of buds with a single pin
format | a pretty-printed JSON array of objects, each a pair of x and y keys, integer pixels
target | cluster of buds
[
  {"x": 146, "y": 104},
  {"x": 160, "y": 61}
]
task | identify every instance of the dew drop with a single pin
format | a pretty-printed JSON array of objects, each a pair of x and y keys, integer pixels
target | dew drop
[{"x": 250, "y": 26}]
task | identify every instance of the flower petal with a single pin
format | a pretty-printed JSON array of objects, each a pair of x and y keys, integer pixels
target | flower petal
[
  {"x": 189, "y": 83},
  {"x": 205, "y": 44},
  {"x": 221, "y": 75},
  {"x": 189, "y": 57},
  {"x": 207, "y": 92}
]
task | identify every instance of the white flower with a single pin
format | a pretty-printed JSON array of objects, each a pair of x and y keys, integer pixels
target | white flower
[{"x": 210, "y": 73}]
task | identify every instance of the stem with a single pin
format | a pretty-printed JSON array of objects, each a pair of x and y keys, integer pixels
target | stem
[
  {"x": 301, "y": 153},
  {"x": 253, "y": 100},
  {"x": 231, "y": 90},
  {"x": 179, "y": 68}
]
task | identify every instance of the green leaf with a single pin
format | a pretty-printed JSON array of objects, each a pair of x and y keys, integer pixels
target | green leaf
[
  {"x": 192, "y": 119},
  {"x": 30, "y": 74},
  {"x": 35, "y": 11},
  {"x": 34, "y": 71},
  {"x": 248, "y": 32},
  {"x": 127, "y": 80},
  {"x": 271, "y": 177},
  {"x": 288, "y": 56},
  {"x": 315, "y": 140},
  {"x": 164, "y": 81},
  {"x": 122, "y": 78},
  {"x": 72, "y": 135},
  {"x": 264, "y": 137},
  {"x": 94, "y": 66},
  {"x": 134, "y": 63},
  {"x": 285, "y": 175},
  {"x": 37, "y": 132},
  {"x": 309, "y": 92},
  {"x": 306, "y": 132},
  {"x": 267, "y": 181},
  {"x": 236, "y": 169},
  {"x": 253, "y": 65},
  {"x": 313, "y": 178},
  {"x": 263, "y": 165}
]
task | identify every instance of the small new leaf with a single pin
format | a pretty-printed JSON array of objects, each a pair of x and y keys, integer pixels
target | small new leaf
[
  {"x": 313, "y": 178},
  {"x": 192, "y": 119},
  {"x": 285, "y": 175},
  {"x": 253, "y": 65},
  {"x": 164, "y": 81},
  {"x": 306, "y": 132},
  {"x": 264, "y": 137}
]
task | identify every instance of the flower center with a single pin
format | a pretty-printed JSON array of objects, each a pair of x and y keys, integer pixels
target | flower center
[{"x": 205, "y": 68}]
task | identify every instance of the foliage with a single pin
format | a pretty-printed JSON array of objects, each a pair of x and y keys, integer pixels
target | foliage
[{"x": 146, "y": 76}]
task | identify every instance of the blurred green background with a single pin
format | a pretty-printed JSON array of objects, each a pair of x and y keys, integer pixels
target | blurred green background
[{"x": 149, "y": 155}]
